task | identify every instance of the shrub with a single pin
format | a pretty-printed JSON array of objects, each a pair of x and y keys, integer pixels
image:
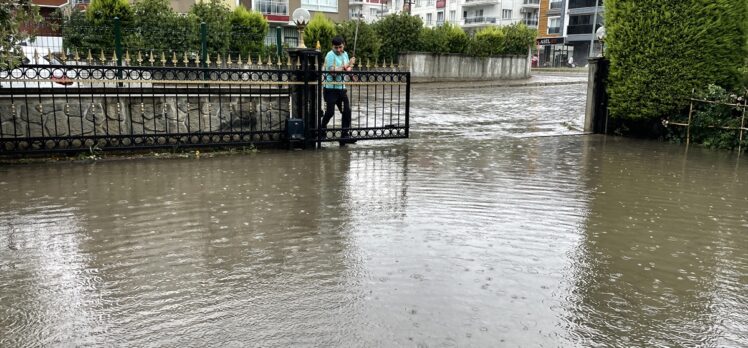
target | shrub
[
  {"x": 457, "y": 39},
  {"x": 155, "y": 27},
  {"x": 320, "y": 29},
  {"x": 489, "y": 41},
  {"x": 399, "y": 33},
  {"x": 368, "y": 44},
  {"x": 12, "y": 14},
  {"x": 433, "y": 40},
  {"x": 659, "y": 51},
  {"x": 519, "y": 38},
  {"x": 249, "y": 29}
]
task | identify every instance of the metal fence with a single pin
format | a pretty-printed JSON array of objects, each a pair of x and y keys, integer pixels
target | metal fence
[{"x": 92, "y": 102}]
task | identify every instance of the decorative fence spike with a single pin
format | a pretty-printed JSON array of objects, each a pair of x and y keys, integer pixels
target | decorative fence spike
[
  {"x": 102, "y": 57},
  {"x": 163, "y": 59},
  {"x": 298, "y": 62},
  {"x": 127, "y": 57},
  {"x": 63, "y": 57},
  {"x": 89, "y": 58},
  {"x": 239, "y": 61},
  {"x": 288, "y": 62},
  {"x": 270, "y": 60},
  {"x": 368, "y": 63},
  {"x": 185, "y": 59},
  {"x": 114, "y": 57},
  {"x": 228, "y": 60},
  {"x": 197, "y": 60},
  {"x": 174, "y": 58},
  {"x": 207, "y": 59},
  {"x": 76, "y": 56},
  {"x": 218, "y": 60},
  {"x": 151, "y": 59},
  {"x": 259, "y": 60},
  {"x": 140, "y": 59}
]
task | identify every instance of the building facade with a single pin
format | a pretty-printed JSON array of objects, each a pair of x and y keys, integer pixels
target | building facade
[
  {"x": 566, "y": 31},
  {"x": 473, "y": 15}
]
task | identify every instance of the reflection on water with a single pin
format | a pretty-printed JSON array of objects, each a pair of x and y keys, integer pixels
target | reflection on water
[{"x": 482, "y": 239}]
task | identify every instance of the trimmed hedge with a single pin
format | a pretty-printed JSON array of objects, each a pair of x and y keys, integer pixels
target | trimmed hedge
[{"x": 660, "y": 50}]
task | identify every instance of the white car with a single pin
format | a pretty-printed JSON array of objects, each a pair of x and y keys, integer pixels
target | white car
[{"x": 45, "y": 75}]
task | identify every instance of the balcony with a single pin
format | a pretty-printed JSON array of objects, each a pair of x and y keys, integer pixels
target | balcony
[
  {"x": 530, "y": 22},
  {"x": 584, "y": 3},
  {"x": 273, "y": 8},
  {"x": 479, "y": 21},
  {"x": 580, "y": 29},
  {"x": 531, "y": 3},
  {"x": 475, "y": 3}
]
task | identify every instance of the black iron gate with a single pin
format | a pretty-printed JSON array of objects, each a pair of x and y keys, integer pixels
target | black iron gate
[{"x": 84, "y": 105}]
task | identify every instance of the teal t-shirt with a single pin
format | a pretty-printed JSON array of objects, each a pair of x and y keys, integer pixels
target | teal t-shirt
[{"x": 334, "y": 60}]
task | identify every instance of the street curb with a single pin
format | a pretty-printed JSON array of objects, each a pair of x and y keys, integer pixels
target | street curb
[{"x": 419, "y": 85}]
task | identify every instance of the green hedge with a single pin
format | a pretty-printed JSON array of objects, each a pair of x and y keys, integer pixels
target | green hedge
[{"x": 660, "y": 50}]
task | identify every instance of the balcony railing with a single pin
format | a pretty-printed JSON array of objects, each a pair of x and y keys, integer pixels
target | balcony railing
[
  {"x": 584, "y": 3},
  {"x": 531, "y": 3},
  {"x": 479, "y": 20},
  {"x": 556, "y": 5},
  {"x": 580, "y": 29},
  {"x": 530, "y": 22},
  {"x": 469, "y": 3}
]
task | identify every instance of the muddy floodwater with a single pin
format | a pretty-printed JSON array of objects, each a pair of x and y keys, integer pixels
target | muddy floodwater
[{"x": 496, "y": 224}]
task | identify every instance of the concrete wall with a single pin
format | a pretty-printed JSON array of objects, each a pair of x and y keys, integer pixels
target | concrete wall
[{"x": 455, "y": 67}]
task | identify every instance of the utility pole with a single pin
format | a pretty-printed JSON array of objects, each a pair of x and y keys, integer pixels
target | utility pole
[{"x": 594, "y": 23}]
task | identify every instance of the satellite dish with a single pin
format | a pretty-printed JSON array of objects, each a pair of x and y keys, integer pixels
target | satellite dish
[{"x": 301, "y": 16}]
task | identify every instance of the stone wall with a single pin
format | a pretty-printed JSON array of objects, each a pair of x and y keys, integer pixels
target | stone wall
[
  {"x": 456, "y": 67},
  {"x": 45, "y": 116}
]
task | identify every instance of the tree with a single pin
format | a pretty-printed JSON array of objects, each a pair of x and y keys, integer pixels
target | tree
[
  {"x": 12, "y": 14},
  {"x": 519, "y": 38},
  {"x": 216, "y": 17},
  {"x": 102, "y": 12},
  {"x": 249, "y": 30},
  {"x": 660, "y": 51},
  {"x": 457, "y": 39},
  {"x": 367, "y": 44},
  {"x": 320, "y": 29},
  {"x": 155, "y": 27},
  {"x": 399, "y": 33}
]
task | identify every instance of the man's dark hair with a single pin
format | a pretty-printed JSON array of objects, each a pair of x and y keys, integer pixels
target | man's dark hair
[{"x": 337, "y": 41}]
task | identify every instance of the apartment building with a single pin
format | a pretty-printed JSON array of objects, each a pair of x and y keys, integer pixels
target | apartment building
[
  {"x": 372, "y": 10},
  {"x": 472, "y": 15},
  {"x": 566, "y": 30}
]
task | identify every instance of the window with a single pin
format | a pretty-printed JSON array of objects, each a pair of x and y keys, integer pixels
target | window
[
  {"x": 506, "y": 14},
  {"x": 479, "y": 13},
  {"x": 428, "y": 19},
  {"x": 464, "y": 14},
  {"x": 554, "y": 25},
  {"x": 452, "y": 16},
  {"x": 320, "y": 5},
  {"x": 440, "y": 18}
]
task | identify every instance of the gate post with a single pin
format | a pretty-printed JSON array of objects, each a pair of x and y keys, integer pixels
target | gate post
[
  {"x": 306, "y": 103},
  {"x": 596, "y": 110}
]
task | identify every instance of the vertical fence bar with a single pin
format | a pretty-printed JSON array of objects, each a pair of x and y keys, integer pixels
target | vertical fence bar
[{"x": 203, "y": 43}]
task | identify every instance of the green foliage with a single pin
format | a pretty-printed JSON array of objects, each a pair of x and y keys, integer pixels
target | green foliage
[
  {"x": 707, "y": 118},
  {"x": 433, "y": 40},
  {"x": 399, "y": 34},
  {"x": 102, "y": 12},
  {"x": 519, "y": 38},
  {"x": 457, "y": 39},
  {"x": 12, "y": 14},
  {"x": 216, "y": 17},
  {"x": 368, "y": 43},
  {"x": 489, "y": 41},
  {"x": 249, "y": 29},
  {"x": 320, "y": 29},
  {"x": 660, "y": 50},
  {"x": 155, "y": 27}
]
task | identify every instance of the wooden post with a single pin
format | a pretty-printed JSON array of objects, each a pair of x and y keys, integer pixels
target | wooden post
[
  {"x": 742, "y": 123},
  {"x": 690, "y": 113}
]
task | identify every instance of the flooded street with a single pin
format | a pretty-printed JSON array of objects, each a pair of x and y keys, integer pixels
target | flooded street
[{"x": 496, "y": 224}]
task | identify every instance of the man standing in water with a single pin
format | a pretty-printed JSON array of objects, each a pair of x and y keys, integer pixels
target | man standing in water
[{"x": 334, "y": 90}]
